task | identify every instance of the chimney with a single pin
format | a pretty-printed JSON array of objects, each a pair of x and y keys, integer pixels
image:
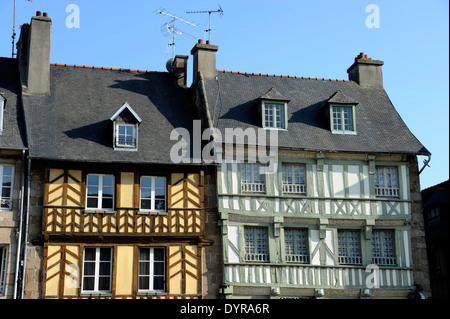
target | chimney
[
  {"x": 366, "y": 72},
  {"x": 34, "y": 55},
  {"x": 204, "y": 60},
  {"x": 179, "y": 69}
]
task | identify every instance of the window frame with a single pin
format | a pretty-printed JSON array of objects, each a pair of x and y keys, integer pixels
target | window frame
[
  {"x": 100, "y": 194},
  {"x": 383, "y": 259},
  {"x": 97, "y": 275},
  {"x": 348, "y": 259},
  {"x": 283, "y": 121},
  {"x": 152, "y": 194},
  {"x": 302, "y": 258},
  {"x": 301, "y": 186},
  {"x": 125, "y": 146},
  {"x": 2, "y": 110},
  {"x": 151, "y": 275},
  {"x": 332, "y": 118},
  {"x": 386, "y": 189},
  {"x": 261, "y": 253},
  {"x": 254, "y": 185},
  {"x": 11, "y": 188}
]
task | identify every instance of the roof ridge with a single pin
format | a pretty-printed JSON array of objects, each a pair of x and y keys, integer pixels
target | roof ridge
[
  {"x": 105, "y": 68},
  {"x": 283, "y": 76}
]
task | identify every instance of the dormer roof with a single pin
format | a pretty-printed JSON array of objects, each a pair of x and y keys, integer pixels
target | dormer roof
[{"x": 129, "y": 108}]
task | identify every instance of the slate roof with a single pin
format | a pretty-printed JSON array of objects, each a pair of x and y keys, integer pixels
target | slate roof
[
  {"x": 13, "y": 135},
  {"x": 379, "y": 127},
  {"x": 73, "y": 123}
]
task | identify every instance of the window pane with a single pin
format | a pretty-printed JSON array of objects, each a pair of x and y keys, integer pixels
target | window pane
[
  {"x": 144, "y": 283},
  {"x": 144, "y": 268},
  {"x": 93, "y": 180},
  {"x": 158, "y": 283},
  {"x": 89, "y": 254},
  {"x": 145, "y": 182},
  {"x": 108, "y": 180},
  {"x": 92, "y": 191},
  {"x": 7, "y": 170},
  {"x": 159, "y": 254},
  {"x": 89, "y": 268},
  {"x": 104, "y": 283},
  {"x": 160, "y": 182},
  {"x": 146, "y": 204},
  {"x": 158, "y": 268},
  {"x": 107, "y": 203},
  {"x": 146, "y": 193},
  {"x": 105, "y": 268},
  {"x": 88, "y": 283},
  {"x": 160, "y": 204},
  {"x": 144, "y": 254},
  {"x": 92, "y": 203}
]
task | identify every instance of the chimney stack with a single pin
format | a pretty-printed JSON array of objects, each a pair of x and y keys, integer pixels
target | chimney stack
[
  {"x": 179, "y": 70},
  {"x": 366, "y": 72},
  {"x": 34, "y": 55},
  {"x": 204, "y": 61}
]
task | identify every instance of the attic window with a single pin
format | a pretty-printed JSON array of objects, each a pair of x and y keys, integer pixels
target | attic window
[
  {"x": 274, "y": 115},
  {"x": 125, "y": 128},
  {"x": 342, "y": 119},
  {"x": 2, "y": 106}
]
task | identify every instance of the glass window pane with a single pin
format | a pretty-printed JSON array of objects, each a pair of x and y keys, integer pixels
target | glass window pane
[
  {"x": 107, "y": 203},
  {"x": 88, "y": 283},
  {"x": 159, "y": 254},
  {"x": 144, "y": 254},
  {"x": 104, "y": 283},
  {"x": 108, "y": 180},
  {"x": 92, "y": 203},
  {"x": 144, "y": 283},
  {"x": 105, "y": 268},
  {"x": 93, "y": 180},
  {"x": 105, "y": 254},
  {"x": 144, "y": 268},
  {"x": 145, "y": 182},
  {"x": 160, "y": 182},
  {"x": 145, "y": 193},
  {"x": 158, "y": 283},
  {"x": 146, "y": 204},
  {"x": 89, "y": 268},
  {"x": 158, "y": 268},
  {"x": 160, "y": 204},
  {"x": 89, "y": 254}
]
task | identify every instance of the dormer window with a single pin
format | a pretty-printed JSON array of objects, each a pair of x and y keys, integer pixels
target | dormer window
[
  {"x": 125, "y": 133},
  {"x": 340, "y": 110},
  {"x": 274, "y": 115},
  {"x": 273, "y": 110},
  {"x": 2, "y": 107}
]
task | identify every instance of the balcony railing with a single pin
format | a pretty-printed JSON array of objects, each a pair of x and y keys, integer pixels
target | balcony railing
[
  {"x": 257, "y": 257},
  {"x": 294, "y": 189},
  {"x": 350, "y": 260},
  {"x": 297, "y": 259},
  {"x": 387, "y": 191},
  {"x": 248, "y": 187},
  {"x": 384, "y": 261}
]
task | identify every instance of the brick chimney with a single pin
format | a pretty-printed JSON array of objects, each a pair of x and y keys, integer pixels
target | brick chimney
[
  {"x": 366, "y": 72},
  {"x": 204, "y": 61},
  {"x": 34, "y": 55}
]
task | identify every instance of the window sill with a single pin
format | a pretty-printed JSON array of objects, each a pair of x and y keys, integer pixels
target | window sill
[
  {"x": 151, "y": 293},
  {"x": 95, "y": 294},
  {"x": 152, "y": 212},
  {"x": 99, "y": 211},
  {"x": 344, "y": 132}
]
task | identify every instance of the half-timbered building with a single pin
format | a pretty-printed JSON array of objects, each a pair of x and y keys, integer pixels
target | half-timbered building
[
  {"x": 337, "y": 213},
  {"x": 111, "y": 215}
]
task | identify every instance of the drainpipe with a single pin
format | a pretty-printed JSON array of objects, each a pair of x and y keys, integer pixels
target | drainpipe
[
  {"x": 19, "y": 237},
  {"x": 27, "y": 215},
  {"x": 425, "y": 164}
]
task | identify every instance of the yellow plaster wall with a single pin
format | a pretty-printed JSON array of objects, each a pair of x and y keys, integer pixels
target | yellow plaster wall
[
  {"x": 72, "y": 280},
  {"x": 54, "y": 193},
  {"x": 52, "y": 285},
  {"x": 126, "y": 189},
  {"x": 125, "y": 256}
]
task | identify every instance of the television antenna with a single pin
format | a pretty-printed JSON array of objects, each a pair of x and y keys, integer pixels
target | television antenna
[
  {"x": 209, "y": 23},
  {"x": 169, "y": 28}
]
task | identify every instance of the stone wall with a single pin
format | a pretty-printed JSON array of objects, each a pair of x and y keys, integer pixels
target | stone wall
[{"x": 418, "y": 244}]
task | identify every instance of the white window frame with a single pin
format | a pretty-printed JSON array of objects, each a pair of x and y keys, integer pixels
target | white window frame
[
  {"x": 342, "y": 129},
  {"x": 293, "y": 187},
  {"x": 3, "y": 268},
  {"x": 386, "y": 187},
  {"x": 97, "y": 271},
  {"x": 256, "y": 244},
  {"x": 253, "y": 183},
  {"x": 269, "y": 106},
  {"x": 6, "y": 200},
  {"x": 117, "y": 143},
  {"x": 152, "y": 194},
  {"x": 100, "y": 193},
  {"x": 2, "y": 108},
  {"x": 152, "y": 275}
]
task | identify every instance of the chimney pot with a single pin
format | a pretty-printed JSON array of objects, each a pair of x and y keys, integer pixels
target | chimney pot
[
  {"x": 208, "y": 42},
  {"x": 38, "y": 13},
  {"x": 200, "y": 41},
  {"x": 45, "y": 14}
]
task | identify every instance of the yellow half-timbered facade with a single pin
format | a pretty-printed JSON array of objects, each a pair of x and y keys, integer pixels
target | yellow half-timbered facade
[{"x": 127, "y": 251}]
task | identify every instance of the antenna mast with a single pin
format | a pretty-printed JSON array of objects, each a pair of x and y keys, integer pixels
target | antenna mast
[
  {"x": 14, "y": 30},
  {"x": 169, "y": 28},
  {"x": 209, "y": 23}
]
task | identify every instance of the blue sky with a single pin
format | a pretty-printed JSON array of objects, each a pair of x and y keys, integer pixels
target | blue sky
[{"x": 284, "y": 37}]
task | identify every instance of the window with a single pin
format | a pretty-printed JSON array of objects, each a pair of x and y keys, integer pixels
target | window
[
  {"x": 100, "y": 192},
  {"x": 386, "y": 182},
  {"x": 6, "y": 182},
  {"x": 252, "y": 180},
  {"x": 125, "y": 135},
  {"x": 294, "y": 179},
  {"x": 349, "y": 244},
  {"x": 296, "y": 245},
  {"x": 383, "y": 247},
  {"x": 153, "y": 193},
  {"x": 434, "y": 216},
  {"x": 2, "y": 107},
  {"x": 274, "y": 115},
  {"x": 151, "y": 269},
  {"x": 3, "y": 269},
  {"x": 342, "y": 119},
  {"x": 97, "y": 270},
  {"x": 256, "y": 244}
]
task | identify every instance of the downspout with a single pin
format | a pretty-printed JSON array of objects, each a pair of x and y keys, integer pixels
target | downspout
[
  {"x": 26, "y": 227},
  {"x": 425, "y": 164},
  {"x": 19, "y": 237}
]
